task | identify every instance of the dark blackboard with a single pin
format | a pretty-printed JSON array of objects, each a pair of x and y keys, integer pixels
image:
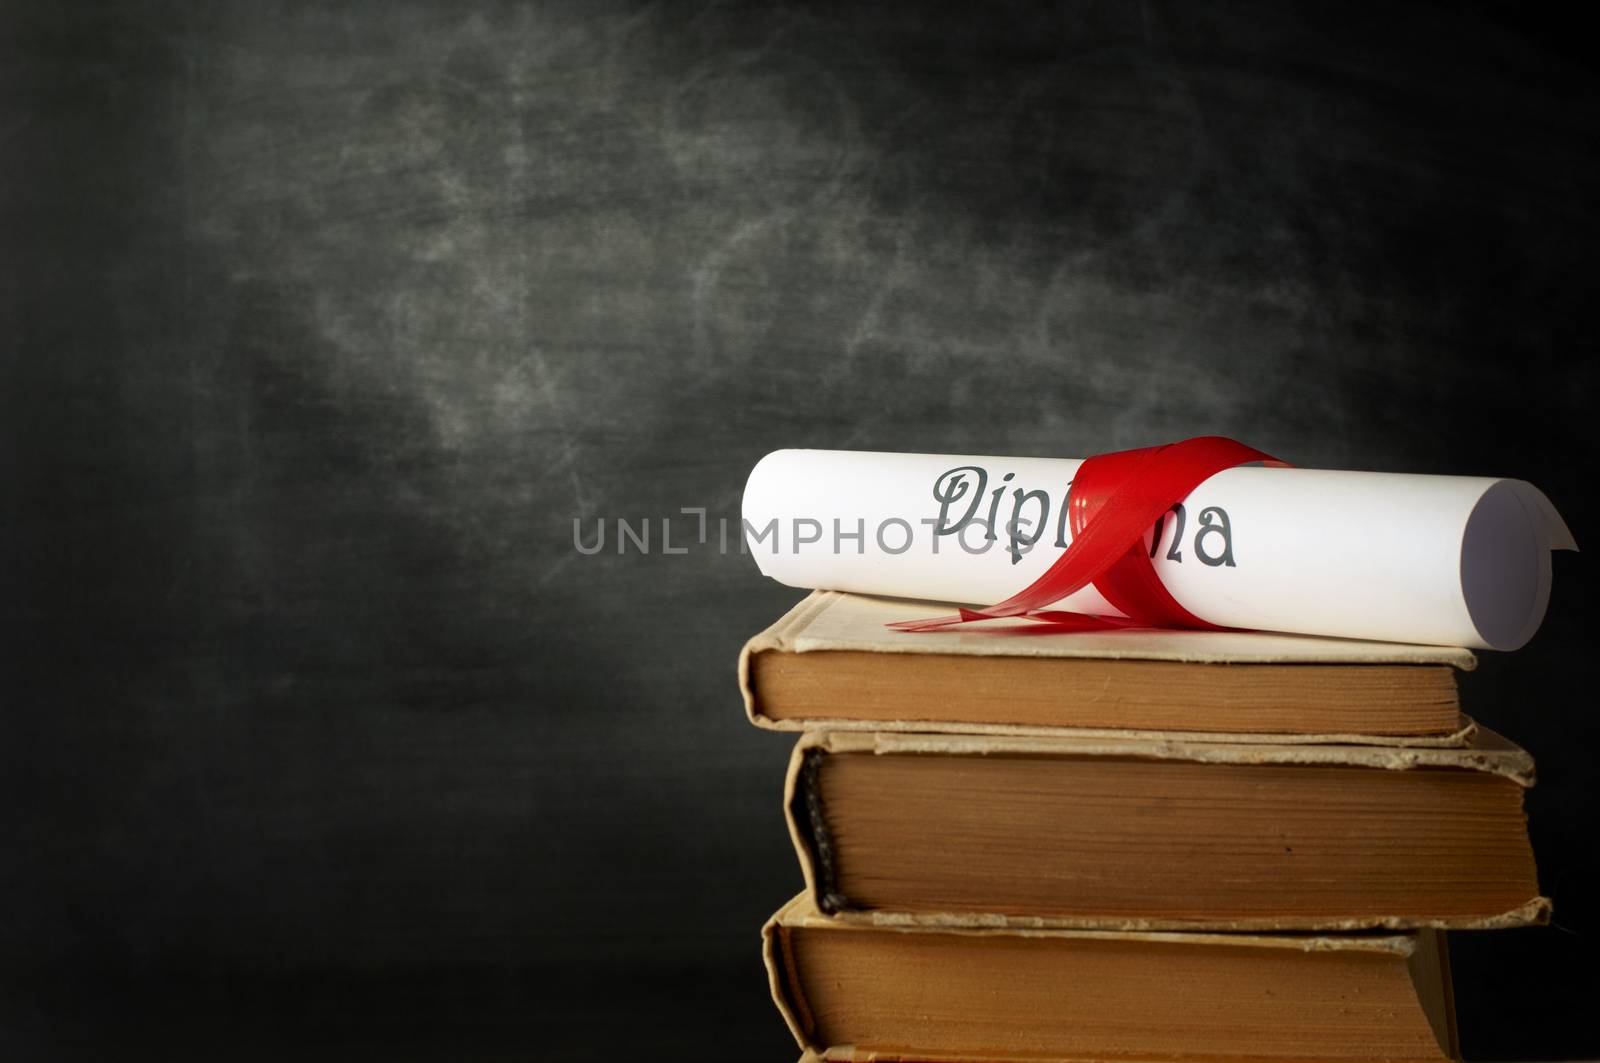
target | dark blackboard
[{"x": 323, "y": 323}]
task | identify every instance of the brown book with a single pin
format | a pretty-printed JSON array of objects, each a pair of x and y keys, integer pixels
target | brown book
[
  {"x": 859, "y": 988},
  {"x": 831, "y": 663},
  {"x": 1146, "y": 834}
]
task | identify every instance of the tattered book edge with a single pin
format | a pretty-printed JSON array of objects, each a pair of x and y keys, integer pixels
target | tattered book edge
[
  {"x": 801, "y": 913},
  {"x": 1536, "y": 912},
  {"x": 1488, "y": 751},
  {"x": 781, "y": 979},
  {"x": 1457, "y": 739}
]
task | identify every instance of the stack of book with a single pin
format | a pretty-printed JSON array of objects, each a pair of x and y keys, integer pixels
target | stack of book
[{"x": 1128, "y": 845}]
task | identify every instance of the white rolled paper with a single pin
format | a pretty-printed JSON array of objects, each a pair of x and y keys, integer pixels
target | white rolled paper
[{"x": 1443, "y": 560}]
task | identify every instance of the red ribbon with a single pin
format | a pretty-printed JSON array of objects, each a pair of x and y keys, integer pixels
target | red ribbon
[{"x": 1111, "y": 502}]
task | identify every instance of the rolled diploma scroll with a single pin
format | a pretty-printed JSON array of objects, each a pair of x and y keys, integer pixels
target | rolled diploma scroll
[{"x": 1444, "y": 560}]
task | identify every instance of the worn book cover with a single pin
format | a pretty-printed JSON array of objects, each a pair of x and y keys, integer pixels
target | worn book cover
[
  {"x": 1143, "y": 834},
  {"x": 865, "y": 987},
  {"x": 832, "y": 663}
]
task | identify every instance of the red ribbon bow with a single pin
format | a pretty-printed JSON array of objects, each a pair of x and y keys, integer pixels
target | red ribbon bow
[{"x": 1111, "y": 501}]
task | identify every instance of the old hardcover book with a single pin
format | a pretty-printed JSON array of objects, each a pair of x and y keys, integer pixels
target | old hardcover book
[
  {"x": 831, "y": 663},
  {"x": 1165, "y": 834},
  {"x": 865, "y": 988}
]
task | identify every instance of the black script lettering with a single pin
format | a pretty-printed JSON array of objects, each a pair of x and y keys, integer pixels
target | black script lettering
[
  {"x": 994, "y": 506},
  {"x": 1061, "y": 521},
  {"x": 1173, "y": 551},
  {"x": 1019, "y": 544},
  {"x": 950, "y": 488},
  {"x": 1214, "y": 520}
]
